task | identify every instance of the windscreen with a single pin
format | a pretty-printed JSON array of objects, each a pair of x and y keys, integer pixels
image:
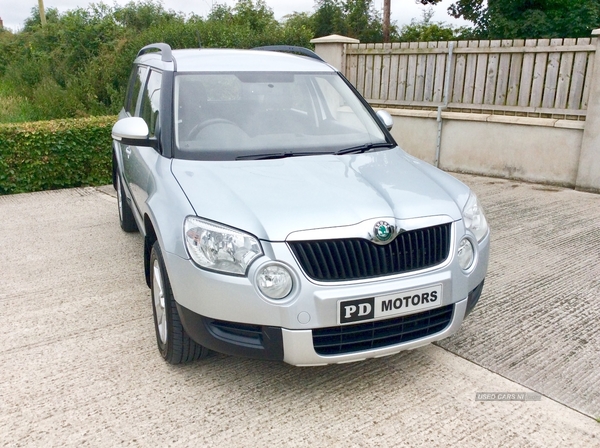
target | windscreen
[{"x": 227, "y": 115}]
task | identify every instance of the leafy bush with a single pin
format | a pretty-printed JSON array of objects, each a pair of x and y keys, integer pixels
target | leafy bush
[
  {"x": 426, "y": 30},
  {"x": 13, "y": 108},
  {"x": 48, "y": 155},
  {"x": 79, "y": 63}
]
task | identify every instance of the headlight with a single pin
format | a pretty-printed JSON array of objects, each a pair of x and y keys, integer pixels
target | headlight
[
  {"x": 218, "y": 247},
  {"x": 474, "y": 219}
]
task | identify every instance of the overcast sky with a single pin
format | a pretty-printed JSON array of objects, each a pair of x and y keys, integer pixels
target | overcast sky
[{"x": 14, "y": 12}]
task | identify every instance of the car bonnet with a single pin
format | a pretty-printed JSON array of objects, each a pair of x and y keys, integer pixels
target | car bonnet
[{"x": 273, "y": 198}]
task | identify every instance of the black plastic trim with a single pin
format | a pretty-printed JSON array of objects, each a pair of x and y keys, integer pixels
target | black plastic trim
[
  {"x": 359, "y": 337},
  {"x": 474, "y": 298},
  {"x": 167, "y": 138},
  {"x": 151, "y": 142},
  {"x": 291, "y": 49},
  {"x": 232, "y": 338}
]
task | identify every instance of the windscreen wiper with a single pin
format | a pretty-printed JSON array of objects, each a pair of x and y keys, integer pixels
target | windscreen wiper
[
  {"x": 363, "y": 148},
  {"x": 279, "y": 155}
]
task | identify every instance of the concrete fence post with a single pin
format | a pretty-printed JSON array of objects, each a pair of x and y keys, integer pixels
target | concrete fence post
[
  {"x": 332, "y": 49},
  {"x": 588, "y": 173}
]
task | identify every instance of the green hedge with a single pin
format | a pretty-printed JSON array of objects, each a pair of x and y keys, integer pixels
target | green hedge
[{"x": 47, "y": 155}]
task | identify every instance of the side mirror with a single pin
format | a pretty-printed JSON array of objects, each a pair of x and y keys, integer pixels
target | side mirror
[
  {"x": 386, "y": 119},
  {"x": 133, "y": 131}
]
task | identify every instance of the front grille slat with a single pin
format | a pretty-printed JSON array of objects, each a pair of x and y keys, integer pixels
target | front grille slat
[
  {"x": 362, "y": 265},
  {"x": 385, "y": 259},
  {"x": 412, "y": 252},
  {"x": 371, "y": 335},
  {"x": 357, "y": 258},
  {"x": 404, "y": 253},
  {"x": 339, "y": 259},
  {"x": 346, "y": 258},
  {"x": 428, "y": 243},
  {"x": 375, "y": 260},
  {"x": 434, "y": 252},
  {"x": 321, "y": 256},
  {"x": 303, "y": 259}
]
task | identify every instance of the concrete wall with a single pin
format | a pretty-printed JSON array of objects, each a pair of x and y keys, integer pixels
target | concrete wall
[
  {"x": 588, "y": 177},
  {"x": 530, "y": 149}
]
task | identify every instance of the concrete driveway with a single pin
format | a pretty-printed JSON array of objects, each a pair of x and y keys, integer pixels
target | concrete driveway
[{"x": 79, "y": 366}]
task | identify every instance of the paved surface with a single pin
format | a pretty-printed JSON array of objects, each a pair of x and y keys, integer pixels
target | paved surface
[
  {"x": 539, "y": 319},
  {"x": 79, "y": 367}
]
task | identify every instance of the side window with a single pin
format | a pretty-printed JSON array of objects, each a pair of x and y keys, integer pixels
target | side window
[
  {"x": 136, "y": 81},
  {"x": 151, "y": 102}
]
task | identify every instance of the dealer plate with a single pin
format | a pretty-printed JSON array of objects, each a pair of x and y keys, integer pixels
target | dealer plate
[{"x": 403, "y": 302}]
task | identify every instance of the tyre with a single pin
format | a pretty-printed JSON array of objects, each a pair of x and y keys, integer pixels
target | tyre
[
  {"x": 126, "y": 218},
  {"x": 174, "y": 345}
]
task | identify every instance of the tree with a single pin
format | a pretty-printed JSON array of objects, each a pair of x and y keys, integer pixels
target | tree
[
  {"x": 143, "y": 15},
  {"x": 353, "y": 18},
  {"x": 35, "y": 20},
  {"x": 425, "y": 30},
  {"x": 259, "y": 17},
  {"x": 363, "y": 21},
  {"x": 506, "y": 19},
  {"x": 299, "y": 23},
  {"x": 542, "y": 18},
  {"x": 329, "y": 18}
]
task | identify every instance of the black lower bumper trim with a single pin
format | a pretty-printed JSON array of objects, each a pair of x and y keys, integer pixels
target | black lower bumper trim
[
  {"x": 473, "y": 298},
  {"x": 341, "y": 340},
  {"x": 232, "y": 338}
]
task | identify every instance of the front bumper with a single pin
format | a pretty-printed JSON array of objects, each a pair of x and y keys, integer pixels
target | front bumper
[
  {"x": 311, "y": 304},
  {"x": 305, "y": 347},
  {"x": 228, "y": 314}
]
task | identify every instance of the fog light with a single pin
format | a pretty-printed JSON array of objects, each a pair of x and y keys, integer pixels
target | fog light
[
  {"x": 275, "y": 281},
  {"x": 466, "y": 254}
]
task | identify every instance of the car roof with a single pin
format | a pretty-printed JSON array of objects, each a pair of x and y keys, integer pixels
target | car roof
[{"x": 228, "y": 60}]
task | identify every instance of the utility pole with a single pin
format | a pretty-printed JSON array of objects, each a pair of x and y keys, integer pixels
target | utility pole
[
  {"x": 386, "y": 21},
  {"x": 42, "y": 12}
]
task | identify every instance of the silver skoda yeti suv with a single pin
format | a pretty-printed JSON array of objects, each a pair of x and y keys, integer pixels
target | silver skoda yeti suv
[{"x": 281, "y": 221}]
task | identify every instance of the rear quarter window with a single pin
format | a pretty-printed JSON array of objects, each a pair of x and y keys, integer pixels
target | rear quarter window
[
  {"x": 136, "y": 81},
  {"x": 151, "y": 102}
]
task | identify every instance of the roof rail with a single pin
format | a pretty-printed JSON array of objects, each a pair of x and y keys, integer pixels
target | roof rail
[
  {"x": 165, "y": 50},
  {"x": 291, "y": 49}
]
